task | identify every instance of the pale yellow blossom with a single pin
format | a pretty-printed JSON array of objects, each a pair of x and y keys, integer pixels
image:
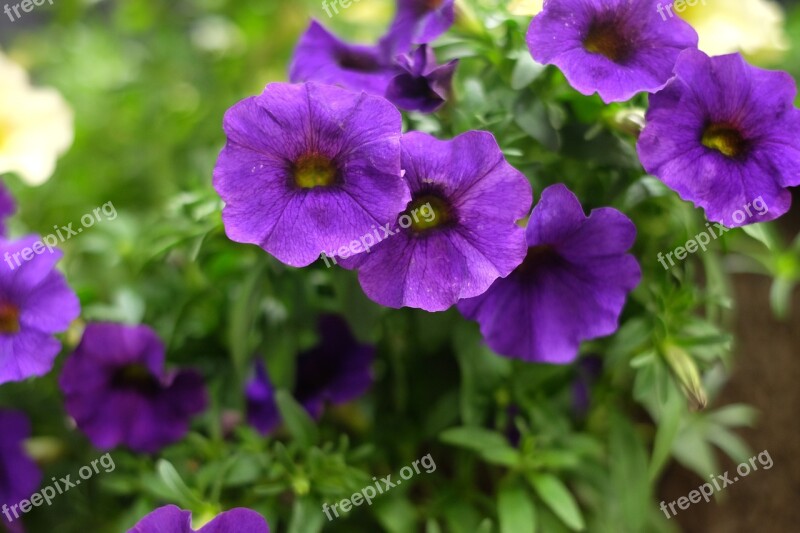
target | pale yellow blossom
[
  {"x": 525, "y": 8},
  {"x": 36, "y": 125}
]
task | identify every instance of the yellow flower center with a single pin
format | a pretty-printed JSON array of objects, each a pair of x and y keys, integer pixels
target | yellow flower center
[
  {"x": 725, "y": 139},
  {"x": 432, "y": 212},
  {"x": 9, "y": 318},
  {"x": 314, "y": 170}
]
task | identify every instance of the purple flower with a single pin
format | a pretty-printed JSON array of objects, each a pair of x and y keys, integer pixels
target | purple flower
[
  {"x": 723, "y": 134},
  {"x": 571, "y": 287},
  {"x": 7, "y": 207},
  {"x": 418, "y": 22},
  {"x": 19, "y": 475},
  {"x": 458, "y": 234},
  {"x": 423, "y": 86},
  {"x": 116, "y": 389},
  {"x": 35, "y": 304},
  {"x": 322, "y": 57},
  {"x": 262, "y": 409},
  {"x": 309, "y": 168},
  {"x": 337, "y": 370},
  {"x": 171, "y": 519},
  {"x": 616, "y": 48}
]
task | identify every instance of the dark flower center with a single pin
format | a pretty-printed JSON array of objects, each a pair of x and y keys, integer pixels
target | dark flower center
[
  {"x": 726, "y": 139},
  {"x": 314, "y": 170},
  {"x": 358, "y": 60},
  {"x": 135, "y": 377},
  {"x": 9, "y": 318},
  {"x": 428, "y": 211},
  {"x": 541, "y": 255},
  {"x": 432, "y": 5},
  {"x": 606, "y": 39}
]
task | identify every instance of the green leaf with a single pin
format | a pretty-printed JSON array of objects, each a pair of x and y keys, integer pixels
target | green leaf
[
  {"x": 669, "y": 422},
  {"x": 297, "y": 420},
  {"x": 558, "y": 499},
  {"x": 307, "y": 516},
  {"x": 525, "y": 71},
  {"x": 177, "y": 487},
  {"x": 516, "y": 510},
  {"x": 473, "y": 438}
]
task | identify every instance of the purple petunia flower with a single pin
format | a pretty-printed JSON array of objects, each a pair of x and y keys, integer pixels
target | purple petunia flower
[
  {"x": 571, "y": 287},
  {"x": 116, "y": 389},
  {"x": 474, "y": 198},
  {"x": 723, "y": 134},
  {"x": 336, "y": 371},
  {"x": 19, "y": 475},
  {"x": 7, "y": 208},
  {"x": 309, "y": 168},
  {"x": 171, "y": 519},
  {"x": 418, "y": 22},
  {"x": 262, "y": 409},
  {"x": 324, "y": 58},
  {"x": 424, "y": 85},
  {"x": 616, "y": 48},
  {"x": 35, "y": 304}
]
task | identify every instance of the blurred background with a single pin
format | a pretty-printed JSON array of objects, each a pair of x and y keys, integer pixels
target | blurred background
[{"x": 149, "y": 83}]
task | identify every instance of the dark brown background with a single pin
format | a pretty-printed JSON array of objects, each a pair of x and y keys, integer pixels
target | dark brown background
[{"x": 767, "y": 376}]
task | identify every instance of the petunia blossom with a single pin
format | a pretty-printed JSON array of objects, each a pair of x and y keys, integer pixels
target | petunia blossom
[
  {"x": 35, "y": 125},
  {"x": 571, "y": 287},
  {"x": 418, "y": 22},
  {"x": 116, "y": 389},
  {"x": 309, "y": 168},
  {"x": 423, "y": 85},
  {"x": 475, "y": 198},
  {"x": 616, "y": 48},
  {"x": 723, "y": 135},
  {"x": 171, "y": 519},
  {"x": 322, "y": 57},
  {"x": 336, "y": 370},
  {"x": 35, "y": 304},
  {"x": 19, "y": 475}
]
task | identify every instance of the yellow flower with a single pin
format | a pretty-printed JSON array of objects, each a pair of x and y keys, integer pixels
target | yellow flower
[
  {"x": 753, "y": 27},
  {"x": 525, "y": 8},
  {"x": 35, "y": 125}
]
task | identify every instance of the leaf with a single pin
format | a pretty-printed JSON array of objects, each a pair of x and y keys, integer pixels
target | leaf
[
  {"x": 297, "y": 420},
  {"x": 307, "y": 516},
  {"x": 669, "y": 421},
  {"x": 516, "y": 510},
  {"x": 558, "y": 499},
  {"x": 473, "y": 438},
  {"x": 525, "y": 71},
  {"x": 180, "y": 491}
]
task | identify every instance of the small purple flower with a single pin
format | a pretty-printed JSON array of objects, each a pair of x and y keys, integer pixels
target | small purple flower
[
  {"x": 309, "y": 168},
  {"x": 616, "y": 48},
  {"x": 116, "y": 389},
  {"x": 418, "y": 22},
  {"x": 171, "y": 519},
  {"x": 262, "y": 409},
  {"x": 324, "y": 58},
  {"x": 723, "y": 135},
  {"x": 423, "y": 86},
  {"x": 571, "y": 287},
  {"x": 7, "y": 207},
  {"x": 337, "y": 370},
  {"x": 474, "y": 198},
  {"x": 19, "y": 475},
  {"x": 35, "y": 304}
]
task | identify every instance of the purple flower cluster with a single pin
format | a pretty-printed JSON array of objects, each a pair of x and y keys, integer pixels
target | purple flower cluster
[
  {"x": 719, "y": 132},
  {"x": 409, "y": 78}
]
